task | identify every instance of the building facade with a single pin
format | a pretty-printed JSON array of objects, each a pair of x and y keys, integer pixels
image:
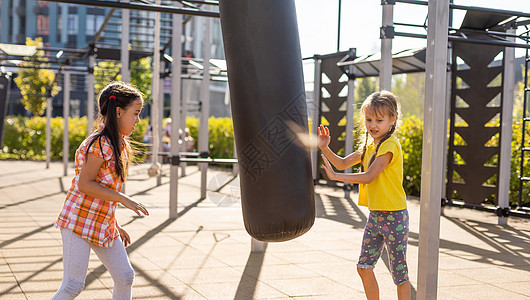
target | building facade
[{"x": 70, "y": 26}]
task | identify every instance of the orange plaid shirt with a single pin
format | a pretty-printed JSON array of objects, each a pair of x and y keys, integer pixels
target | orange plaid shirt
[{"x": 91, "y": 218}]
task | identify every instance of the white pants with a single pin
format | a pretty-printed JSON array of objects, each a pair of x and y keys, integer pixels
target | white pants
[{"x": 76, "y": 253}]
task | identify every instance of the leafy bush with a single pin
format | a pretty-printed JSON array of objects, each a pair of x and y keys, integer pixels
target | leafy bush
[
  {"x": 516, "y": 167},
  {"x": 221, "y": 136},
  {"x": 411, "y": 138},
  {"x": 24, "y": 138}
]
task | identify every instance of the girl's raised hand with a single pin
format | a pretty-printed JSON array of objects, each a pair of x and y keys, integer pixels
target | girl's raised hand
[
  {"x": 323, "y": 137},
  {"x": 135, "y": 206},
  {"x": 327, "y": 167}
]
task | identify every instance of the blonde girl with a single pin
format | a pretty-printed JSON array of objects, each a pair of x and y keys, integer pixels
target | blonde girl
[
  {"x": 87, "y": 220},
  {"x": 380, "y": 189}
]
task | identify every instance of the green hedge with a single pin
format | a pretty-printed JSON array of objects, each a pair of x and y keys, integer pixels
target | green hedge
[
  {"x": 221, "y": 136},
  {"x": 24, "y": 138},
  {"x": 411, "y": 138}
]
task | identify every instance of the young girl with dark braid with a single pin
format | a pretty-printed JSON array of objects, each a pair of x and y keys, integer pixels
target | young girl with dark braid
[
  {"x": 88, "y": 218},
  {"x": 380, "y": 189}
]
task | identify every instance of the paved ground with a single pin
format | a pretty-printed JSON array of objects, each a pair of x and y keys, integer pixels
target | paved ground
[{"x": 205, "y": 252}]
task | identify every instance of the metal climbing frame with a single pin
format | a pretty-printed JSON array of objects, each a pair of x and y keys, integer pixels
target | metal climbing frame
[{"x": 526, "y": 118}]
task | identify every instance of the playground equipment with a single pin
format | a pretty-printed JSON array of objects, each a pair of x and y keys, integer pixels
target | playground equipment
[
  {"x": 434, "y": 130},
  {"x": 482, "y": 26}
]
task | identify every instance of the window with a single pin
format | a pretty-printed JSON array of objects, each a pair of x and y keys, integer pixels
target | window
[
  {"x": 72, "y": 24},
  {"x": 90, "y": 25}
]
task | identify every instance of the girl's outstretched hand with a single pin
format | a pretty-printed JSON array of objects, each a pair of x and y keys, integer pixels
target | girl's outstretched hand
[
  {"x": 327, "y": 167},
  {"x": 135, "y": 206},
  {"x": 323, "y": 137},
  {"x": 126, "y": 239}
]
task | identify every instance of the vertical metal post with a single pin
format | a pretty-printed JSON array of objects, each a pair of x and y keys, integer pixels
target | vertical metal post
[
  {"x": 205, "y": 103},
  {"x": 186, "y": 94},
  {"x": 338, "y": 25},
  {"x": 523, "y": 124},
  {"x": 155, "y": 116},
  {"x": 161, "y": 121},
  {"x": 176, "y": 66},
  {"x": 5, "y": 87},
  {"x": 446, "y": 140},
  {"x": 447, "y": 112},
  {"x": 506, "y": 128},
  {"x": 124, "y": 53},
  {"x": 316, "y": 116},
  {"x": 66, "y": 115},
  {"x": 257, "y": 246},
  {"x": 350, "y": 109},
  {"x": 433, "y": 141},
  {"x": 90, "y": 96},
  {"x": 385, "y": 71},
  {"x": 49, "y": 100}
]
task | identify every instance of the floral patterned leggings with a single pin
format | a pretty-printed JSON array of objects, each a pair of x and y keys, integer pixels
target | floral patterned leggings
[{"x": 390, "y": 228}]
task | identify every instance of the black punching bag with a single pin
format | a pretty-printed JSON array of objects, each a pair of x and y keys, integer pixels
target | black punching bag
[{"x": 269, "y": 112}]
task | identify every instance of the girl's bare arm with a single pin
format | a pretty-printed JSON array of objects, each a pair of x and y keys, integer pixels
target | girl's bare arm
[
  {"x": 89, "y": 186},
  {"x": 374, "y": 170}
]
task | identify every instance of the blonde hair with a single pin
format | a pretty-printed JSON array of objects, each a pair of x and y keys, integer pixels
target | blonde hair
[{"x": 381, "y": 103}]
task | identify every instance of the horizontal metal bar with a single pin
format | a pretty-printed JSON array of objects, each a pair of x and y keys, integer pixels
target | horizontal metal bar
[
  {"x": 467, "y": 40},
  {"x": 472, "y": 8},
  {"x": 64, "y": 68},
  {"x": 489, "y": 42},
  {"x": 526, "y": 149},
  {"x": 520, "y": 212},
  {"x": 418, "y": 2},
  {"x": 410, "y": 25},
  {"x": 491, "y": 10},
  {"x": 413, "y": 2},
  {"x": 166, "y": 153},
  {"x": 66, "y": 50},
  {"x": 142, "y": 7},
  {"x": 133, "y": 33},
  {"x": 412, "y": 35},
  {"x": 202, "y": 2},
  {"x": 210, "y": 160},
  {"x": 525, "y": 178},
  {"x": 139, "y": 26},
  {"x": 196, "y": 154}
]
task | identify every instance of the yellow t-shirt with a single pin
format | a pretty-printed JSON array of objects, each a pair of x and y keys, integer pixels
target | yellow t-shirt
[{"x": 385, "y": 192}]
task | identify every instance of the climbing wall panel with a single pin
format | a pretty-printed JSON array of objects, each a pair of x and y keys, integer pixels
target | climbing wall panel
[{"x": 476, "y": 112}]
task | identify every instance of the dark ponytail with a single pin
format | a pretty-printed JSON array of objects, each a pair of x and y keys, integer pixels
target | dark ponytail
[{"x": 114, "y": 95}]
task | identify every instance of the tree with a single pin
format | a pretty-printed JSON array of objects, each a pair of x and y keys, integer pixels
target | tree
[
  {"x": 365, "y": 87},
  {"x": 35, "y": 81},
  {"x": 410, "y": 90},
  {"x": 141, "y": 75}
]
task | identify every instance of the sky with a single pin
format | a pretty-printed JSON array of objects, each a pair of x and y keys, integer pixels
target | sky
[{"x": 361, "y": 19}]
